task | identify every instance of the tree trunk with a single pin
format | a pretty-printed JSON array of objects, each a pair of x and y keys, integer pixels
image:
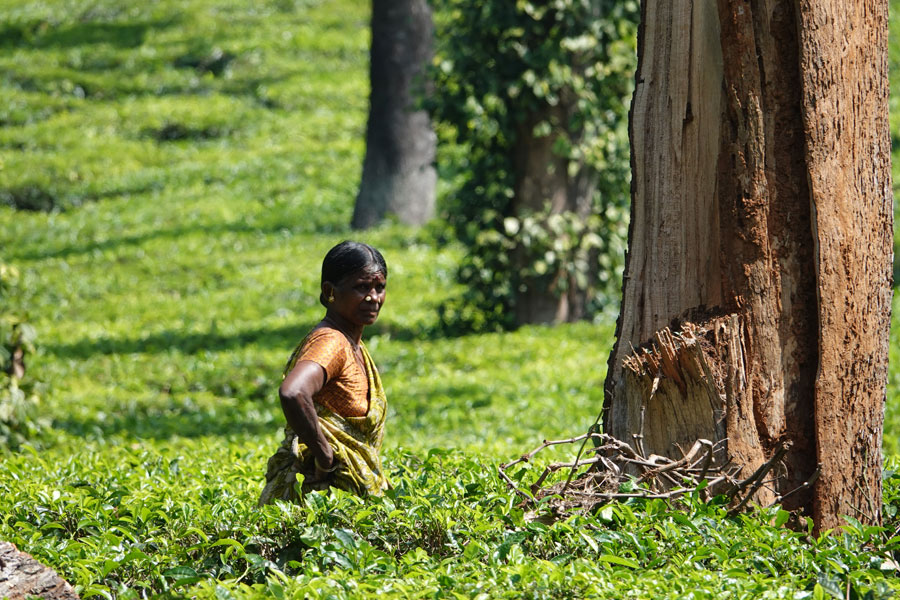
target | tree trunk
[
  {"x": 398, "y": 172},
  {"x": 761, "y": 230},
  {"x": 546, "y": 180}
]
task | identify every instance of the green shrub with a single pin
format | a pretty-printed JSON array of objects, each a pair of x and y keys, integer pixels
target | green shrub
[
  {"x": 18, "y": 394},
  {"x": 498, "y": 65}
]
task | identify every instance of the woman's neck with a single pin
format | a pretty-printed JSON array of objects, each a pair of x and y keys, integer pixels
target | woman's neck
[{"x": 351, "y": 330}]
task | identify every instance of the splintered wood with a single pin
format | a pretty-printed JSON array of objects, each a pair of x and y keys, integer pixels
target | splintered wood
[
  {"x": 682, "y": 390},
  {"x": 671, "y": 395}
]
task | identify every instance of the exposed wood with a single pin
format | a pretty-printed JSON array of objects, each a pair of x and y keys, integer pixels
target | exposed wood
[
  {"x": 398, "y": 175},
  {"x": 17, "y": 364},
  {"x": 671, "y": 396},
  {"x": 675, "y": 120},
  {"x": 761, "y": 190},
  {"x": 22, "y": 577}
]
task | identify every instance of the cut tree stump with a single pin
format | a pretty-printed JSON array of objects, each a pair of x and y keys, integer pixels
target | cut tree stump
[{"x": 23, "y": 577}]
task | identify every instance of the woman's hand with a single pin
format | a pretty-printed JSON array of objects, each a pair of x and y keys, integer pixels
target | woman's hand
[{"x": 325, "y": 470}]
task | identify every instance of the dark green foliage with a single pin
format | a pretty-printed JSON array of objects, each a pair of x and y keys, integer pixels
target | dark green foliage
[
  {"x": 213, "y": 61},
  {"x": 174, "y": 132},
  {"x": 498, "y": 65},
  {"x": 29, "y": 197},
  {"x": 130, "y": 522}
]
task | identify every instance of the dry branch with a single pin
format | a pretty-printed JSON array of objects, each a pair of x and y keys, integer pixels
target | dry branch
[{"x": 613, "y": 470}]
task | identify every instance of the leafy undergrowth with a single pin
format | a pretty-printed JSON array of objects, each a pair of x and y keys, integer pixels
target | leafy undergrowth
[{"x": 129, "y": 521}]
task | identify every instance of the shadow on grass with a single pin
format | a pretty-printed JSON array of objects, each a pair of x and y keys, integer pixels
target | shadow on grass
[
  {"x": 189, "y": 343},
  {"x": 169, "y": 421},
  {"x": 310, "y": 225},
  {"x": 42, "y": 34},
  {"x": 182, "y": 341}
]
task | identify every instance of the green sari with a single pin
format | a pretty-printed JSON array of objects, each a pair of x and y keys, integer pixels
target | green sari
[{"x": 356, "y": 442}]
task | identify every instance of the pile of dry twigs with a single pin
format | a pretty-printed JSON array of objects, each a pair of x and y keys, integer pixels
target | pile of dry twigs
[{"x": 602, "y": 471}]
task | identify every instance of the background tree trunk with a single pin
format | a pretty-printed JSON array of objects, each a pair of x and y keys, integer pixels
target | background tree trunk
[
  {"x": 547, "y": 180},
  {"x": 761, "y": 215},
  {"x": 398, "y": 172}
]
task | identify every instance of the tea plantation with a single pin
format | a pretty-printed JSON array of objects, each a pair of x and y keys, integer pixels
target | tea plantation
[{"x": 171, "y": 174}]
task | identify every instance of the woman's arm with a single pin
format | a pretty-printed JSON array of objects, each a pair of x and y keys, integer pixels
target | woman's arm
[{"x": 296, "y": 392}]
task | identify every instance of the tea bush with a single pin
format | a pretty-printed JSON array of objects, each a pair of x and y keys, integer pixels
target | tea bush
[{"x": 138, "y": 520}]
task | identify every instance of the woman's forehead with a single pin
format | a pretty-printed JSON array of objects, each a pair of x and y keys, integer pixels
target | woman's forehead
[{"x": 367, "y": 274}]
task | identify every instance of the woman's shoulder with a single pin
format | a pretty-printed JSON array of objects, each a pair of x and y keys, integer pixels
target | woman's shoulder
[
  {"x": 322, "y": 336},
  {"x": 323, "y": 345},
  {"x": 323, "y": 332}
]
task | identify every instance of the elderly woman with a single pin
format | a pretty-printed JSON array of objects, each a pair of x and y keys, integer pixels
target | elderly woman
[{"x": 331, "y": 392}]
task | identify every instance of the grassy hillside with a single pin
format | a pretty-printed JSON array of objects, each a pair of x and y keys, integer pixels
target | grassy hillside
[{"x": 201, "y": 158}]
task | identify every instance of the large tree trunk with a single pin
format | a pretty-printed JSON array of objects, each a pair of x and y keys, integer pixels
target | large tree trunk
[
  {"x": 398, "y": 172},
  {"x": 762, "y": 228}
]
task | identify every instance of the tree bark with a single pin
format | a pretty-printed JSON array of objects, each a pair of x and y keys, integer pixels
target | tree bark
[
  {"x": 23, "y": 577},
  {"x": 398, "y": 175},
  {"x": 761, "y": 215}
]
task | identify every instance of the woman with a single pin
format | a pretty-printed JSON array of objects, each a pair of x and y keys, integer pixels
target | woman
[{"x": 331, "y": 393}]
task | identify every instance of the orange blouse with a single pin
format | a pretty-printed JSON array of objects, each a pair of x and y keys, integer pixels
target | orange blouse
[{"x": 346, "y": 389}]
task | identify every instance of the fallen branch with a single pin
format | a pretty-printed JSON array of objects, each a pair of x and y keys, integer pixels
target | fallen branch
[{"x": 607, "y": 469}]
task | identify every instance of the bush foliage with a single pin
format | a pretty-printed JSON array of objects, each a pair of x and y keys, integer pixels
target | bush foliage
[
  {"x": 131, "y": 522},
  {"x": 498, "y": 64},
  {"x": 19, "y": 420}
]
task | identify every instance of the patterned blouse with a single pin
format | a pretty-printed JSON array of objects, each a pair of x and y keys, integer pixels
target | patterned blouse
[{"x": 346, "y": 389}]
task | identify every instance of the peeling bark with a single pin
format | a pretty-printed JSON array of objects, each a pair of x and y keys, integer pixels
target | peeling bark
[{"x": 843, "y": 58}]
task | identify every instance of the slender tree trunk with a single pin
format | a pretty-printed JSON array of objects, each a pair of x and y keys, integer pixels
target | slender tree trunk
[
  {"x": 546, "y": 180},
  {"x": 761, "y": 234},
  {"x": 398, "y": 172}
]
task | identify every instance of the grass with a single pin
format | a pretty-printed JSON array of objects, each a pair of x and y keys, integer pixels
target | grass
[{"x": 201, "y": 158}]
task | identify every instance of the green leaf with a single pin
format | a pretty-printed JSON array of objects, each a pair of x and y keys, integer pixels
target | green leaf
[
  {"x": 831, "y": 585},
  {"x": 782, "y": 517},
  {"x": 179, "y": 572},
  {"x": 227, "y": 542},
  {"x": 618, "y": 560},
  {"x": 223, "y": 593},
  {"x": 345, "y": 538}
]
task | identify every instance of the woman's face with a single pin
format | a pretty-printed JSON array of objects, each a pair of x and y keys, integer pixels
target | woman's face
[{"x": 358, "y": 298}]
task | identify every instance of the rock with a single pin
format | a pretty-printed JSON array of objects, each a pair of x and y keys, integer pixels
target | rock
[{"x": 22, "y": 577}]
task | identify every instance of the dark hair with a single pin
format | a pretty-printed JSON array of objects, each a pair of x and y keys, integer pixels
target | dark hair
[{"x": 348, "y": 258}]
